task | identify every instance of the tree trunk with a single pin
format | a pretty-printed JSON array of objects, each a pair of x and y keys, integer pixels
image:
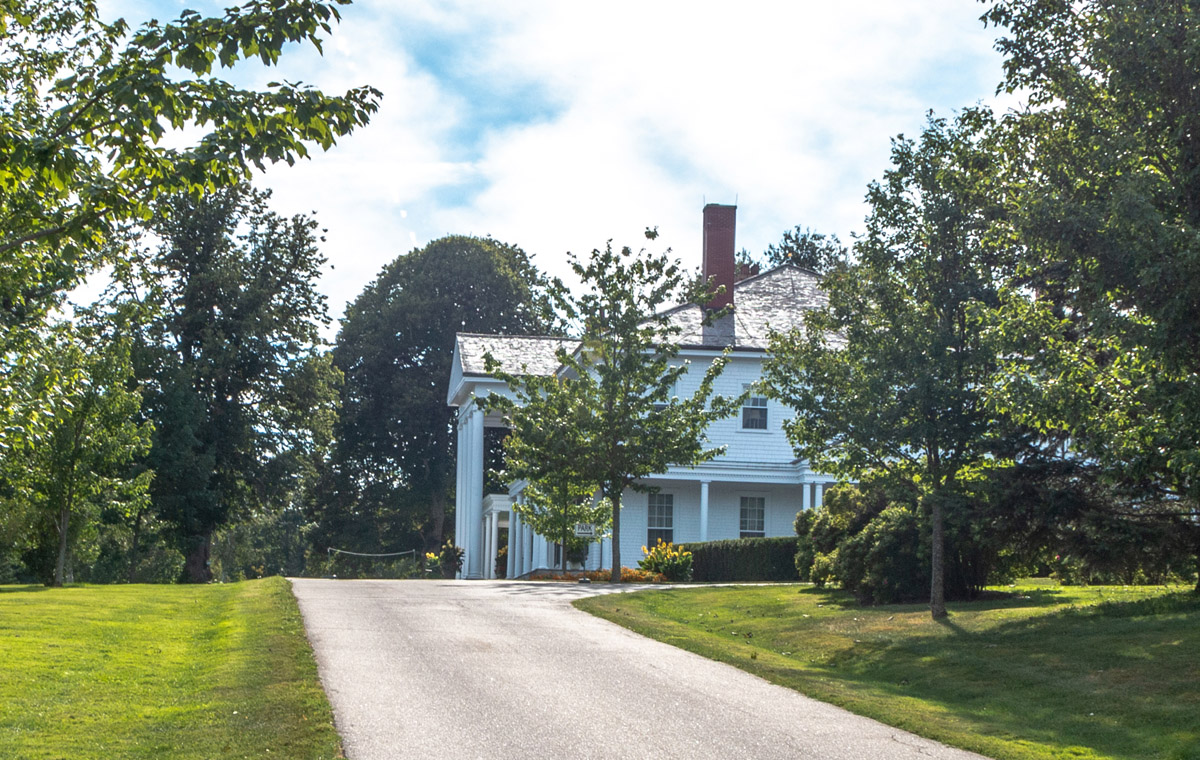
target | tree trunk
[
  {"x": 1197, "y": 589},
  {"x": 437, "y": 516},
  {"x": 937, "y": 549},
  {"x": 135, "y": 545},
  {"x": 64, "y": 523},
  {"x": 195, "y": 565},
  {"x": 616, "y": 537}
]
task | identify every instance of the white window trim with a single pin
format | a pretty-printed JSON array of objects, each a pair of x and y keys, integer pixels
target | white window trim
[
  {"x": 765, "y": 406},
  {"x": 671, "y": 529},
  {"x": 752, "y": 495}
]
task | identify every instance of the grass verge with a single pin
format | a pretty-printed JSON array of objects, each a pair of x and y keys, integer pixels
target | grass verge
[
  {"x": 159, "y": 672},
  {"x": 1049, "y": 672}
]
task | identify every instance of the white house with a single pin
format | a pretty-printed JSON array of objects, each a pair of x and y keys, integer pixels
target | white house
[{"x": 754, "y": 489}]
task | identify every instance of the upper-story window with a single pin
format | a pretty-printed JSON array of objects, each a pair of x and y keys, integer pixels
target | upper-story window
[
  {"x": 671, "y": 394},
  {"x": 754, "y": 411},
  {"x": 660, "y": 518}
]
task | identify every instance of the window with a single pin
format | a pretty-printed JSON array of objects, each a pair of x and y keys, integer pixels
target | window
[
  {"x": 752, "y": 519},
  {"x": 660, "y": 518},
  {"x": 754, "y": 412},
  {"x": 671, "y": 394}
]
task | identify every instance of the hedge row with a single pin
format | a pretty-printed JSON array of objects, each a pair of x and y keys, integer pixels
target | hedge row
[{"x": 745, "y": 559}]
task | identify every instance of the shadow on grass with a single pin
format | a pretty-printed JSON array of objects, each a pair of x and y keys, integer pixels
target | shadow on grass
[
  {"x": 23, "y": 589},
  {"x": 1022, "y": 598},
  {"x": 1116, "y": 678}
]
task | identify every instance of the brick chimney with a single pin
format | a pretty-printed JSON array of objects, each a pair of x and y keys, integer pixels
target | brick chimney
[{"x": 718, "y": 268}]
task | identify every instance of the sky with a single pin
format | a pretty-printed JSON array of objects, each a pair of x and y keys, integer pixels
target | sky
[{"x": 558, "y": 125}]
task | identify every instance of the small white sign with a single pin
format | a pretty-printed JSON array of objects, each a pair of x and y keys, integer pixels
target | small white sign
[{"x": 585, "y": 530}]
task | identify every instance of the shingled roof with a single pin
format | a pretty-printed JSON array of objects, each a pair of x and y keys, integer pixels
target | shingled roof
[
  {"x": 775, "y": 300},
  {"x": 517, "y": 354}
]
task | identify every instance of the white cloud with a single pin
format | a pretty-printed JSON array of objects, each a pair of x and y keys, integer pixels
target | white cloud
[{"x": 555, "y": 126}]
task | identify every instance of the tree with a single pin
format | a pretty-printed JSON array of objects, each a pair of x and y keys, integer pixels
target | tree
[
  {"x": 235, "y": 315},
  {"x": 805, "y": 248},
  {"x": 93, "y": 433},
  {"x": 539, "y": 450},
  {"x": 610, "y": 410},
  {"x": 1108, "y": 206},
  {"x": 886, "y": 382},
  {"x": 84, "y": 105},
  {"x": 394, "y": 449}
]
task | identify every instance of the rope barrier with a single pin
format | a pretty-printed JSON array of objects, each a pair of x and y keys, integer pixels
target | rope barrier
[{"x": 331, "y": 550}]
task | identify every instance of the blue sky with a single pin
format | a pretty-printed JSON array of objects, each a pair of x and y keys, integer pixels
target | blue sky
[{"x": 558, "y": 125}]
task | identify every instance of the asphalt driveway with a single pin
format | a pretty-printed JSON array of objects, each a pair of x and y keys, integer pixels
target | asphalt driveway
[{"x": 504, "y": 669}]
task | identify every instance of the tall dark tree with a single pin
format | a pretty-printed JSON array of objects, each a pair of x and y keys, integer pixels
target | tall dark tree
[
  {"x": 232, "y": 288},
  {"x": 808, "y": 249},
  {"x": 1108, "y": 206},
  {"x": 395, "y": 455}
]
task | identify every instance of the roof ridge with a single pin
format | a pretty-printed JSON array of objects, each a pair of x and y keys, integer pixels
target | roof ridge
[
  {"x": 511, "y": 335},
  {"x": 773, "y": 270}
]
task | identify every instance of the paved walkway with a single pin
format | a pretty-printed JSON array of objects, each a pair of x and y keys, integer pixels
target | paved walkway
[{"x": 503, "y": 669}]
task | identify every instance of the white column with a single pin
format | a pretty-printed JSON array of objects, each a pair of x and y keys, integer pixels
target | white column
[
  {"x": 487, "y": 543},
  {"x": 526, "y": 549},
  {"x": 493, "y": 540},
  {"x": 473, "y": 566},
  {"x": 514, "y": 526},
  {"x": 460, "y": 488},
  {"x": 819, "y": 498},
  {"x": 703, "y": 510},
  {"x": 516, "y": 540}
]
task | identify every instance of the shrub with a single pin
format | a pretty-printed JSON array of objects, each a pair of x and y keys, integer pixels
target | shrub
[
  {"x": 628, "y": 575},
  {"x": 805, "y": 552},
  {"x": 884, "y": 562},
  {"x": 822, "y": 568},
  {"x": 675, "y": 563},
  {"x": 745, "y": 559},
  {"x": 450, "y": 560}
]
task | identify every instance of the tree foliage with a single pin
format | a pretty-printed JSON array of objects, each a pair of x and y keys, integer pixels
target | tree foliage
[
  {"x": 1106, "y": 342},
  {"x": 610, "y": 412},
  {"x": 803, "y": 247},
  {"x": 233, "y": 316},
  {"x": 85, "y": 106},
  {"x": 59, "y": 488},
  {"x": 395, "y": 452},
  {"x": 887, "y": 380}
]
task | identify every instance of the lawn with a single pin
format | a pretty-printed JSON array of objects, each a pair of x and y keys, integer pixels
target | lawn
[
  {"x": 1044, "y": 672},
  {"x": 159, "y": 672}
]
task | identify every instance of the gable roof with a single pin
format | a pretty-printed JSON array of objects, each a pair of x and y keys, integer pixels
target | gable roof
[
  {"x": 517, "y": 354},
  {"x": 775, "y": 300}
]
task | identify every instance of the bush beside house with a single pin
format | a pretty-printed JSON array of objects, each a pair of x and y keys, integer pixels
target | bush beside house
[{"x": 745, "y": 559}]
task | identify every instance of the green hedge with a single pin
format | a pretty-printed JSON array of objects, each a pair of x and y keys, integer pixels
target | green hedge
[{"x": 745, "y": 559}]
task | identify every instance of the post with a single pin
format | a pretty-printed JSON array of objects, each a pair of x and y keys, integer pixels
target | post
[
  {"x": 494, "y": 550},
  {"x": 460, "y": 488},
  {"x": 514, "y": 524},
  {"x": 472, "y": 541},
  {"x": 703, "y": 510}
]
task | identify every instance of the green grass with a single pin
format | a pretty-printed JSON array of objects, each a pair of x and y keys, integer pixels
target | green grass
[
  {"x": 218, "y": 671},
  {"x": 1050, "y": 672}
]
